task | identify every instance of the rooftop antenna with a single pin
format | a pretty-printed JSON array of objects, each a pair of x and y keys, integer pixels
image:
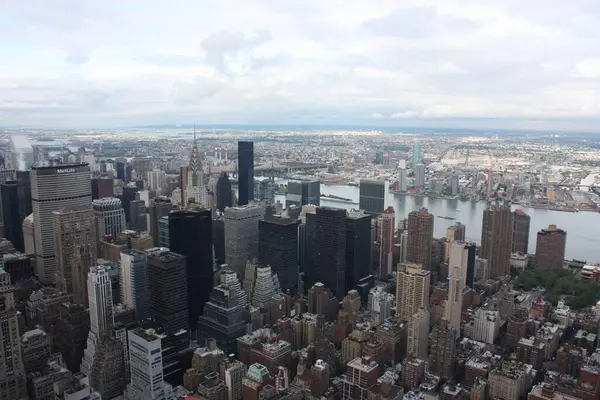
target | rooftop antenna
[{"x": 194, "y": 132}]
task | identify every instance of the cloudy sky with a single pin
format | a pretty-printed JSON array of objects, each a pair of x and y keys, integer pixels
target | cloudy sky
[{"x": 531, "y": 64}]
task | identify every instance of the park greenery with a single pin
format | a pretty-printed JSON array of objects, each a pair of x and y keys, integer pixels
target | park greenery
[{"x": 560, "y": 284}]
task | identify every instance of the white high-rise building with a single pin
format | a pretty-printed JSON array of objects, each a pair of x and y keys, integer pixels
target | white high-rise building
[
  {"x": 102, "y": 317},
  {"x": 157, "y": 179},
  {"x": 486, "y": 325},
  {"x": 412, "y": 289},
  {"x": 145, "y": 360},
  {"x": 420, "y": 176},
  {"x": 380, "y": 304},
  {"x": 241, "y": 235},
  {"x": 403, "y": 180},
  {"x": 135, "y": 292},
  {"x": 458, "y": 264},
  {"x": 418, "y": 334},
  {"x": 110, "y": 217}
]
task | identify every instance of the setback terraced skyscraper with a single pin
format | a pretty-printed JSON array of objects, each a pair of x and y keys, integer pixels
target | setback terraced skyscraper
[{"x": 54, "y": 188}]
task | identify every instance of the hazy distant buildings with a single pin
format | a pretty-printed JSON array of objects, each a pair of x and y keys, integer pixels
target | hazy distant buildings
[
  {"x": 54, "y": 188},
  {"x": 420, "y": 238},
  {"x": 416, "y": 155},
  {"x": 245, "y": 172},
  {"x": 497, "y": 238},
  {"x": 550, "y": 248},
  {"x": 403, "y": 180},
  {"x": 303, "y": 193},
  {"x": 520, "y": 238},
  {"x": 372, "y": 196},
  {"x": 419, "y": 172}
]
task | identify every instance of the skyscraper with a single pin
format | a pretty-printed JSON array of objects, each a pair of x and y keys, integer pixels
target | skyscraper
[
  {"x": 245, "y": 172},
  {"x": 418, "y": 334},
  {"x": 302, "y": 193},
  {"x": 386, "y": 225},
  {"x": 159, "y": 207},
  {"x": 416, "y": 155},
  {"x": 223, "y": 316},
  {"x": 520, "y": 238},
  {"x": 224, "y": 193},
  {"x": 129, "y": 195},
  {"x": 120, "y": 167},
  {"x": 54, "y": 188},
  {"x": 496, "y": 239},
  {"x": 403, "y": 180},
  {"x": 278, "y": 248},
  {"x": 443, "y": 349},
  {"x": 76, "y": 249},
  {"x": 190, "y": 234},
  {"x": 102, "y": 318},
  {"x": 195, "y": 168},
  {"x": 550, "y": 248},
  {"x": 14, "y": 212},
  {"x": 453, "y": 233},
  {"x": 330, "y": 246},
  {"x": 157, "y": 180},
  {"x": 137, "y": 215},
  {"x": 419, "y": 171},
  {"x": 110, "y": 217},
  {"x": 372, "y": 196},
  {"x": 135, "y": 290},
  {"x": 241, "y": 235},
  {"x": 12, "y": 374},
  {"x": 145, "y": 359},
  {"x": 412, "y": 290},
  {"x": 168, "y": 290},
  {"x": 358, "y": 247},
  {"x": 457, "y": 279},
  {"x": 420, "y": 238}
]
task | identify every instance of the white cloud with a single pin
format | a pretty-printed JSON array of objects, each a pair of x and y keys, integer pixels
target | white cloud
[{"x": 89, "y": 63}]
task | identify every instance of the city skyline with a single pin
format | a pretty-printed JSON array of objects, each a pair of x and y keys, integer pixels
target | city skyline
[{"x": 502, "y": 65}]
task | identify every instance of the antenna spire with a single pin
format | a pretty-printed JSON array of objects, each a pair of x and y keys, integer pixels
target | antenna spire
[{"x": 194, "y": 132}]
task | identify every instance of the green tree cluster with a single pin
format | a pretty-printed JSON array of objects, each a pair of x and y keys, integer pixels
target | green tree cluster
[{"x": 560, "y": 284}]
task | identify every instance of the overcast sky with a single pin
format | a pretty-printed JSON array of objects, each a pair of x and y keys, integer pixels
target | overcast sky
[{"x": 527, "y": 64}]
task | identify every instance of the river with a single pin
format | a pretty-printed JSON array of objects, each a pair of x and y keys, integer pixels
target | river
[{"x": 583, "y": 228}]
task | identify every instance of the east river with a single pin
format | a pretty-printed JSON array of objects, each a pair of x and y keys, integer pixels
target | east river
[{"x": 583, "y": 228}]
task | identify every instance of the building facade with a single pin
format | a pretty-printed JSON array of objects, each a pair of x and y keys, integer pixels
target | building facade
[
  {"x": 520, "y": 238},
  {"x": 245, "y": 172},
  {"x": 420, "y": 238},
  {"x": 241, "y": 235},
  {"x": 550, "y": 248},
  {"x": 372, "y": 196},
  {"x": 278, "y": 248},
  {"x": 496, "y": 239}
]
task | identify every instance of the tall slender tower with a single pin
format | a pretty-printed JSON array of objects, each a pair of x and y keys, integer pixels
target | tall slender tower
[
  {"x": 195, "y": 168},
  {"x": 443, "y": 349},
  {"x": 330, "y": 258},
  {"x": 190, "y": 234},
  {"x": 245, "y": 172},
  {"x": 135, "y": 292},
  {"x": 416, "y": 156},
  {"x": 496, "y": 239},
  {"x": 159, "y": 207},
  {"x": 14, "y": 206},
  {"x": 224, "y": 194},
  {"x": 459, "y": 264},
  {"x": 418, "y": 333},
  {"x": 12, "y": 373},
  {"x": 412, "y": 290},
  {"x": 54, "y": 188},
  {"x": 454, "y": 233},
  {"x": 386, "y": 224},
  {"x": 76, "y": 249},
  {"x": 520, "y": 238},
  {"x": 420, "y": 238}
]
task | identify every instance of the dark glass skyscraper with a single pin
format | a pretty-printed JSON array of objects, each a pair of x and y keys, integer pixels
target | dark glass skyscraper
[
  {"x": 245, "y": 172},
  {"x": 120, "y": 170},
  {"x": 472, "y": 251},
  {"x": 330, "y": 246},
  {"x": 168, "y": 290},
  {"x": 372, "y": 196},
  {"x": 137, "y": 215},
  {"x": 159, "y": 207},
  {"x": 520, "y": 238},
  {"x": 224, "y": 195},
  {"x": 190, "y": 234},
  {"x": 129, "y": 195},
  {"x": 13, "y": 209},
  {"x": 358, "y": 248},
  {"x": 25, "y": 178},
  {"x": 278, "y": 248}
]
